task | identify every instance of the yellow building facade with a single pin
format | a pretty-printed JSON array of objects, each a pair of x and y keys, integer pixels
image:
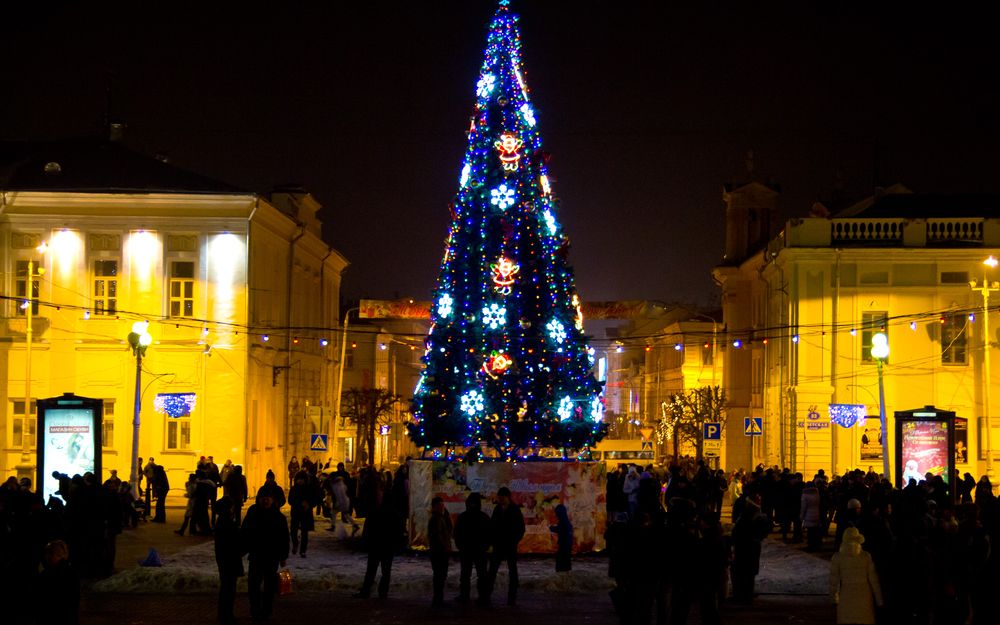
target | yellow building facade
[
  {"x": 805, "y": 304},
  {"x": 240, "y": 292}
]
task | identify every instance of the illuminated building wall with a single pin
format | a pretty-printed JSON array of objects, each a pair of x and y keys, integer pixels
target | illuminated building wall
[
  {"x": 214, "y": 274},
  {"x": 806, "y": 305}
]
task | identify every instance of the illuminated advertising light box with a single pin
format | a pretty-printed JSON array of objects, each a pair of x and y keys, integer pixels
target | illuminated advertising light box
[
  {"x": 69, "y": 440},
  {"x": 925, "y": 443}
]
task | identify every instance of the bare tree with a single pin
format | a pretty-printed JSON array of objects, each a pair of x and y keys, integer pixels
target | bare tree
[
  {"x": 685, "y": 414},
  {"x": 368, "y": 409}
]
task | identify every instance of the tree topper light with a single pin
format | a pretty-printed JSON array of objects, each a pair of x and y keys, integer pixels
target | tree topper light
[{"x": 508, "y": 147}]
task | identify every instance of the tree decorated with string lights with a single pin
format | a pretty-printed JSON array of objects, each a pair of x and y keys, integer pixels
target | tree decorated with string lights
[{"x": 507, "y": 363}]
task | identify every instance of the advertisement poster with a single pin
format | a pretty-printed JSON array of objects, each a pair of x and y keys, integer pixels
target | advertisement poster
[
  {"x": 69, "y": 445},
  {"x": 871, "y": 440},
  {"x": 924, "y": 448},
  {"x": 538, "y": 487},
  {"x": 961, "y": 440}
]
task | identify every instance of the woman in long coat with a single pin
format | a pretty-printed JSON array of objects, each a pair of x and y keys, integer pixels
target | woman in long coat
[{"x": 853, "y": 581}]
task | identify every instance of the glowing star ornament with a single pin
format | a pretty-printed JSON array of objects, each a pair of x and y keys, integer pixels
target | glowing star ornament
[
  {"x": 485, "y": 85},
  {"x": 472, "y": 403},
  {"x": 494, "y": 316},
  {"x": 502, "y": 197},
  {"x": 557, "y": 331},
  {"x": 565, "y": 409},
  {"x": 508, "y": 146},
  {"x": 497, "y": 364},
  {"x": 445, "y": 305},
  {"x": 504, "y": 271}
]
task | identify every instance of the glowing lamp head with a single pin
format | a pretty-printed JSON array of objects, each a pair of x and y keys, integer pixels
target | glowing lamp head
[
  {"x": 880, "y": 346},
  {"x": 991, "y": 262},
  {"x": 324, "y": 342},
  {"x": 383, "y": 346},
  {"x": 737, "y": 343}
]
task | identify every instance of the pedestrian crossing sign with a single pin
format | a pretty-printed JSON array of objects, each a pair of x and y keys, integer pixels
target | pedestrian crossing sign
[
  {"x": 317, "y": 442},
  {"x": 753, "y": 426}
]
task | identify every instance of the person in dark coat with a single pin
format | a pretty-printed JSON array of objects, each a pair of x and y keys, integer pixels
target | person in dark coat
[
  {"x": 235, "y": 487},
  {"x": 381, "y": 533},
  {"x": 264, "y": 536},
  {"x": 160, "y": 486},
  {"x": 472, "y": 537},
  {"x": 507, "y": 530},
  {"x": 302, "y": 498},
  {"x": 228, "y": 557},
  {"x": 748, "y": 532},
  {"x": 563, "y": 530},
  {"x": 439, "y": 531},
  {"x": 271, "y": 487},
  {"x": 58, "y": 588}
]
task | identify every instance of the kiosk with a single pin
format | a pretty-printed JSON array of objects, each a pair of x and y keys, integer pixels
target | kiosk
[
  {"x": 925, "y": 443},
  {"x": 69, "y": 440}
]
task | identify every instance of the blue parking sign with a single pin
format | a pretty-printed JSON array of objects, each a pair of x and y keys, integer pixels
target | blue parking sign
[{"x": 712, "y": 430}]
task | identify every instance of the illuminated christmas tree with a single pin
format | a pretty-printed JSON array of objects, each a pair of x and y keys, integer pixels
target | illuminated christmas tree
[{"x": 507, "y": 364}]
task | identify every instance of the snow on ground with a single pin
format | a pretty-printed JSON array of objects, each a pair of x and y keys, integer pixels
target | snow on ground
[{"x": 335, "y": 563}]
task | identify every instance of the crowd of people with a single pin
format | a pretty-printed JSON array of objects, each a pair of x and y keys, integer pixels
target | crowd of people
[{"x": 920, "y": 554}]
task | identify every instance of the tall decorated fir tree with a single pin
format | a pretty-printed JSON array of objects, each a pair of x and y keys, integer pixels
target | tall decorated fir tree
[{"x": 507, "y": 364}]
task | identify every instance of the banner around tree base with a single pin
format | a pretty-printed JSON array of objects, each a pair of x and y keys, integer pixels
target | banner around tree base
[{"x": 538, "y": 487}]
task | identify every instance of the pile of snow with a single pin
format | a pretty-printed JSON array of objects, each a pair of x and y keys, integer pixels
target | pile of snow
[{"x": 334, "y": 563}]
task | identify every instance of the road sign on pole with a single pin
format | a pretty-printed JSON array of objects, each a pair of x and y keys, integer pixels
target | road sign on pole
[
  {"x": 712, "y": 430},
  {"x": 753, "y": 426},
  {"x": 318, "y": 442}
]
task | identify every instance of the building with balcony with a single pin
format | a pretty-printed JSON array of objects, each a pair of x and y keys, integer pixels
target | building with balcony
[
  {"x": 805, "y": 302},
  {"x": 239, "y": 289}
]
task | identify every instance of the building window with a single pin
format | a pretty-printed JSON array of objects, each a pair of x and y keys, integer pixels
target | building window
[
  {"x": 105, "y": 287},
  {"x": 21, "y": 288},
  {"x": 108, "y": 424},
  {"x": 954, "y": 340},
  {"x": 17, "y": 421},
  {"x": 707, "y": 354},
  {"x": 179, "y": 433},
  {"x": 871, "y": 324},
  {"x": 349, "y": 357},
  {"x": 181, "y": 288}
]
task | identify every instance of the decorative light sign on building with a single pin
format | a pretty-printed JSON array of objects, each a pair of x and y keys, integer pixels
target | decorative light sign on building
[
  {"x": 847, "y": 415},
  {"x": 175, "y": 405}
]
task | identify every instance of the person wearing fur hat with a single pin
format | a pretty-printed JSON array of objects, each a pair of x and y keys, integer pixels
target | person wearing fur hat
[{"x": 854, "y": 584}]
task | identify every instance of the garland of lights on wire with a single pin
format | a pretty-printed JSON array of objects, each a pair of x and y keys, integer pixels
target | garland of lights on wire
[{"x": 507, "y": 363}]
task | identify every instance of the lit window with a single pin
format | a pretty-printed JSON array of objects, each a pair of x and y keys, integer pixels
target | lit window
[
  {"x": 17, "y": 421},
  {"x": 181, "y": 289},
  {"x": 105, "y": 287},
  {"x": 954, "y": 340},
  {"x": 108, "y": 424},
  {"x": 21, "y": 288}
]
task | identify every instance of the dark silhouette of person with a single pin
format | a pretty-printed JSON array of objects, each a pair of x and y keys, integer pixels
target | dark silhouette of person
[
  {"x": 228, "y": 557},
  {"x": 302, "y": 498},
  {"x": 160, "y": 487},
  {"x": 235, "y": 487},
  {"x": 58, "y": 588},
  {"x": 507, "y": 530},
  {"x": 439, "y": 531},
  {"x": 264, "y": 536},
  {"x": 749, "y": 530},
  {"x": 472, "y": 537},
  {"x": 271, "y": 487},
  {"x": 563, "y": 530},
  {"x": 381, "y": 533}
]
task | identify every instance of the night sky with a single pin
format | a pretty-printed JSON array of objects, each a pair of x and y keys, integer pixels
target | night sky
[{"x": 647, "y": 108}]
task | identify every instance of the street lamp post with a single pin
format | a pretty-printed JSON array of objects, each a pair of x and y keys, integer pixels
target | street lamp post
[
  {"x": 24, "y": 469},
  {"x": 340, "y": 375},
  {"x": 987, "y": 288},
  {"x": 138, "y": 339},
  {"x": 880, "y": 351}
]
